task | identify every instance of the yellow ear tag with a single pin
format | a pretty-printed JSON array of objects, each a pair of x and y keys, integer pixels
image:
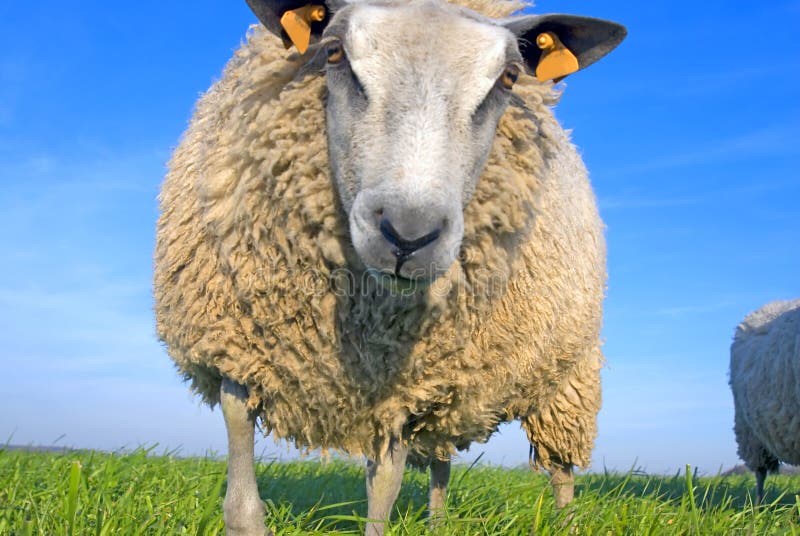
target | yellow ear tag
[
  {"x": 557, "y": 61},
  {"x": 297, "y": 23}
]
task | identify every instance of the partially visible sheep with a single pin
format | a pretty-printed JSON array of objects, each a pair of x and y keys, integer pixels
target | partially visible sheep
[
  {"x": 765, "y": 380},
  {"x": 394, "y": 257}
]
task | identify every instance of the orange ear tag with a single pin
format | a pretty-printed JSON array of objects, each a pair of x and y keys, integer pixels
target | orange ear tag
[
  {"x": 297, "y": 23},
  {"x": 557, "y": 61}
]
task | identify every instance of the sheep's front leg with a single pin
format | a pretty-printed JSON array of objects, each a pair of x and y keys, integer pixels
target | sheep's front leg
[
  {"x": 563, "y": 482},
  {"x": 243, "y": 509},
  {"x": 761, "y": 476},
  {"x": 384, "y": 477},
  {"x": 440, "y": 476}
]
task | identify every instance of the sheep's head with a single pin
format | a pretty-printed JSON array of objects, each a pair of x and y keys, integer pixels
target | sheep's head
[{"x": 415, "y": 92}]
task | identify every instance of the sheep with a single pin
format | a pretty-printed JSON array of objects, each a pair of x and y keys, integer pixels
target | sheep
[
  {"x": 386, "y": 245},
  {"x": 764, "y": 372}
]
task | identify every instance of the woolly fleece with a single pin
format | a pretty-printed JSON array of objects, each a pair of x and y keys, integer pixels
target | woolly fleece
[
  {"x": 256, "y": 280},
  {"x": 765, "y": 380}
]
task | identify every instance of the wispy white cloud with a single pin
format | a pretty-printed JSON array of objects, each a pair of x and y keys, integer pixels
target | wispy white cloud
[
  {"x": 88, "y": 330},
  {"x": 88, "y": 174},
  {"x": 14, "y": 71},
  {"x": 706, "y": 82},
  {"x": 767, "y": 141},
  {"x": 64, "y": 222},
  {"x": 760, "y": 145},
  {"x": 75, "y": 297},
  {"x": 6, "y": 112},
  {"x": 638, "y": 200},
  {"x": 668, "y": 393},
  {"x": 694, "y": 309},
  {"x": 642, "y": 198},
  {"x": 661, "y": 407}
]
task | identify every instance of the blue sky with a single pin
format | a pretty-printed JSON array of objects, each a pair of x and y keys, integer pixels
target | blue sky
[{"x": 691, "y": 132}]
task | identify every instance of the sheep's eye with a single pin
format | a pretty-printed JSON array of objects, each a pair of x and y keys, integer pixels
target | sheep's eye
[
  {"x": 334, "y": 51},
  {"x": 509, "y": 76}
]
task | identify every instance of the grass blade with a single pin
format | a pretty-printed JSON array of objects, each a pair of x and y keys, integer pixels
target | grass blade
[
  {"x": 140, "y": 492},
  {"x": 692, "y": 501},
  {"x": 72, "y": 495}
]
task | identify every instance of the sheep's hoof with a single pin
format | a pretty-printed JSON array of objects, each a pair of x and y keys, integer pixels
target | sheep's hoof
[
  {"x": 248, "y": 532},
  {"x": 245, "y": 518}
]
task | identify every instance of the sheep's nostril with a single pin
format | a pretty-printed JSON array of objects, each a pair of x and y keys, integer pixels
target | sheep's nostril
[{"x": 406, "y": 247}]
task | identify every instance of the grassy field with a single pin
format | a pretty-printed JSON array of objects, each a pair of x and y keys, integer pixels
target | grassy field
[{"x": 140, "y": 493}]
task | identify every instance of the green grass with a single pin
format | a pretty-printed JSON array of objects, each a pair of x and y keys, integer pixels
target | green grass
[{"x": 77, "y": 493}]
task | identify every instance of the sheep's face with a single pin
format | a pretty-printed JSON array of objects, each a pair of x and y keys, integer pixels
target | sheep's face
[
  {"x": 415, "y": 91},
  {"x": 414, "y": 97}
]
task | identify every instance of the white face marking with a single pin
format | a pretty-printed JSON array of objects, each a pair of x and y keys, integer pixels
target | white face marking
[
  {"x": 411, "y": 116},
  {"x": 466, "y": 56}
]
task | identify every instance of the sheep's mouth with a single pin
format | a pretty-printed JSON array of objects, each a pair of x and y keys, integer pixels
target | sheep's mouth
[{"x": 397, "y": 284}]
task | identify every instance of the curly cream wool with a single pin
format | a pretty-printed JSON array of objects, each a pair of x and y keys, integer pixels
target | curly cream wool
[{"x": 256, "y": 279}]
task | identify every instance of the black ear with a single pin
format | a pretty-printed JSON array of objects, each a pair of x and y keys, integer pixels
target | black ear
[
  {"x": 556, "y": 45},
  {"x": 297, "y": 22}
]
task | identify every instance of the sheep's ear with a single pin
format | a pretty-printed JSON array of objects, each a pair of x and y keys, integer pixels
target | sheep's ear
[
  {"x": 555, "y": 46},
  {"x": 297, "y": 22}
]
